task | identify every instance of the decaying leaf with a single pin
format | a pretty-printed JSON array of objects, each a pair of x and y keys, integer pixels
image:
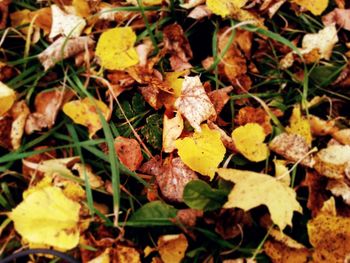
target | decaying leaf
[
  {"x": 226, "y": 140},
  {"x": 333, "y": 161},
  {"x": 172, "y": 248},
  {"x": 279, "y": 252},
  {"x": 220, "y": 97},
  {"x": 172, "y": 175},
  {"x": 203, "y": 151},
  {"x": 64, "y": 48},
  {"x": 115, "y": 48},
  {"x": 129, "y": 152},
  {"x": 249, "y": 141},
  {"x": 321, "y": 127},
  {"x": 194, "y": 104},
  {"x": 293, "y": 147},
  {"x": 95, "y": 181},
  {"x": 316, "y": 7},
  {"x": 172, "y": 129},
  {"x": 253, "y": 189},
  {"x": 46, "y": 217},
  {"x": 86, "y": 112},
  {"x": 299, "y": 125},
  {"x": 340, "y": 188},
  {"x": 102, "y": 258},
  {"x": 339, "y": 16},
  {"x": 342, "y": 136},
  {"x": 7, "y": 98}
]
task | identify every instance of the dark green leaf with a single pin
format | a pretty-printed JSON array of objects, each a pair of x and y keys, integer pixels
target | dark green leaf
[{"x": 152, "y": 131}]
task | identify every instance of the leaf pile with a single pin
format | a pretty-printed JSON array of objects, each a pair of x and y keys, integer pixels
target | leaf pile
[{"x": 175, "y": 131}]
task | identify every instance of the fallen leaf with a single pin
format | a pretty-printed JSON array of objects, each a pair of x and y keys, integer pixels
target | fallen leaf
[
  {"x": 4, "y": 9},
  {"x": 145, "y": 2},
  {"x": 282, "y": 171},
  {"x": 339, "y": 16},
  {"x": 63, "y": 48},
  {"x": 333, "y": 161},
  {"x": 172, "y": 129},
  {"x": 226, "y": 140},
  {"x": 125, "y": 254},
  {"x": 253, "y": 189},
  {"x": 86, "y": 113},
  {"x": 7, "y": 98},
  {"x": 115, "y": 48},
  {"x": 19, "y": 113},
  {"x": 65, "y": 24},
  {"x": 199, "y": 12},
  {"x": 293, "y": 147},
  {"x": 225, "y": 8},
  {"x": 175, "y": 81},
  {"x": 316, "y": 7},
  {"x": 194, "y": 104},
  {"x": 330, "y": 237},
  {"x": 81, "y": 7},
  {"x": 279, "y": 252},
  {"x": 220, "y": 97},
  {"x": 342, "y": 136},
  {"x": 249, "y": 141},
  {"x": 128, "y": 152},
  {"x": 299, "y": 125},
  {"x": 95, "y": 181},
  {"x": 46, "y": 217},
  {"x": 339, "y": 188},
  {"x": 321, "y": 127},
  {"x": 172, "y": 176},
  {"x": 172, "y": 248},
  {"x": 188, "y": 216},
  {"x": 203, "y": 151},
  {"x": 102, "y": 258},
  {"x": 188, "y": 4}
]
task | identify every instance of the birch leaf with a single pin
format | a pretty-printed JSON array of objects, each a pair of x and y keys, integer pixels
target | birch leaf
[
  {"x": 254, "y": 189},
  {"x": 300, "y": 125},
  {"x": 203, "y": 151}
]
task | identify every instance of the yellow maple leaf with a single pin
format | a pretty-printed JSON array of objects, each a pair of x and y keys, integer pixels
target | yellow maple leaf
[
  {"x": 115, "y": 48},
  {"x": 46, "y": 217},
  {"x": 316, "y": 7},
  {"x": 203, "y": 151},
  {"x": 253, "y": 189},
  {"x": 249, "y": 140},
  {"x": 7, "y": 98},
  {"x": 300, "y": 125},
  {"x": 85, "y": 112}
]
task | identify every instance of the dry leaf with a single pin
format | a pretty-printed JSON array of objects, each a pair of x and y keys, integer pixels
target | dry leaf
[
  {"x": 339, "y": 16},
  {"x": 86, "y": 112},
  {"x": 175, "y": 81},
  {"x": 95, "y": 181},
  {"x": 19, "y": 113},
  {"x": 145, "y": 2},
  {"x": 316, "y": 7},
  {"x": 333, "y": 161},
  {"x": 249, "y": 141},
  {"x": 128, "y": 152},
  {"x": 172, "y": 248},
  {"x": 7, "y": 98},
  {"x": 342, "y": 136},
  {"x": 188, "y": 4},
  {"x": 194, "y": 104},
  {"x": 253, "y": 189},
  {"x": 299, "y": 125},
  {"x": 64, "y": 48},
  {"x": 81, "y": 7},
  {"x": 293, "y": 147},
  {"x": 220, "y": 97},
  {"x": 339, "y": 188},
  {"x": 203, "y": 151},
  {"x": 199, "y": 12},
  {"x": 225, "y": 8},
  {"x": 320, "y": 127},
  {"x": 172, "y": 129},
  {"x": 282, "y": 171},
  {"x": 115, "y": 48},
  {"x": 226, "y": 140},
  {"x": 46, "y": 217},
  {"x": 65, "y": 24},
  {"x": 102, "y": 258},
  {"x": 281, "y": 253}
]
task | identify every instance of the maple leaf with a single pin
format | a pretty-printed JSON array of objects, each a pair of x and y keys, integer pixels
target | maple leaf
[
  {"x": 194, "y": 104},
  {"x": 85, "y": 112},
  {"x": 7, "y": 98},
  {"x": 253, "y": 189},
  {"x": 249, "y": 139},
  {"x": 115, "y": 48},
  {"x": 46, "y": 217},
  {"x": 203, "y": 151}
]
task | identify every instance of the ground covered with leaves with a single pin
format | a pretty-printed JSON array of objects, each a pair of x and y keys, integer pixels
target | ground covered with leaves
[{"x": 175, "y": 131}]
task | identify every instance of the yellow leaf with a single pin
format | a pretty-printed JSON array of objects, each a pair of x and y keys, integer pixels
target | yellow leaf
[
  {"x": 249, "y": 142},
  {"x": 7, "y": 98},
  {"x": 172, "y": 248},
  {"x": 46, "y": 217},
  {"x": 316, "y": 7},
  {"x": 330, "y": 237},
  {"x": 19, "y": 18},
  {"x": 85, "y": 112},
  {"x": 253, "y": 189},
  {"x": 102, "y": 258},
  {"x": 224, "y": 8},
  {"x": 203, "y": 151},
  {"x": 175, "y": 82},
  {"x": 299, "y": 125},
  {"x": 281, "y": 171},
  {"x": 81, "y": 7},
  {"x": 115, "y": 48},
  {"x": 145, "y": 2}
]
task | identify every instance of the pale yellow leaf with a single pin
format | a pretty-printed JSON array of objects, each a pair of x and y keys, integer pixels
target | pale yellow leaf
[
  {"x": 85, "y": 112},
  {"x": 316, "y": 7},
  {"x": 7, "y": 98},
  {"x": 172, "y": 129},
  {"x": 299, "y": 125},
  {"x": 115, "y": 48},
  {"x": 203, "y": 151},
  {"x": 249, "y": 141},
  {"x": 254, "y": 189},
  {"x": 194, "y": 104},
  {"x": 102, "y": 258},
  {"x": 46, "y": 217},
  {"x": 94, "y": 180},
  {"x": 281, "y": 171},
  {"x": 224, "y": 8}
]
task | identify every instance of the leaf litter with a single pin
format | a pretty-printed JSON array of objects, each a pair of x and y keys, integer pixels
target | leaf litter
[{"x": 175, "y": 131}]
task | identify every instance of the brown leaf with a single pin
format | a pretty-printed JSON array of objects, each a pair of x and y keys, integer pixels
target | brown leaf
[
  {"x": 342, "y": 136},
  {"x": 281, "y": 253},
  {"x": 6, "y": 72},
  {"x": 64, "y": 48},
  {"x": 4, "y": 6},
  {"x": 226, "y": 140},
  {"x": 172, "y": 176},
  {"x": 321, "y": 127},
  {"x": 129, "y": 152},
  {"x": 172, "y": 248},
  {"x": 220, "y": 97},
  {"x": 293, "y": 147},
  {"x": 188, "y": 217},
  {"x": 339, "y": 16},
  {"x": 5, "y": 131}
]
